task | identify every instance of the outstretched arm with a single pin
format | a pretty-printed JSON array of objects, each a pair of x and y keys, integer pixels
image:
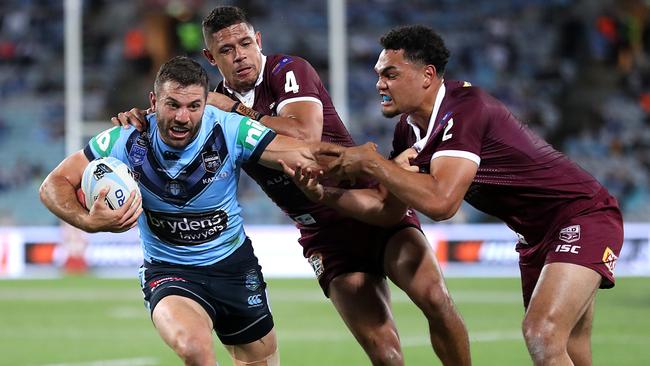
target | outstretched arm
[
  {"x": 376, "y": 206},
  {"x": 437, "y": 195},
  {"x": 58, "y": 194},
  {"x": 300, "y": 120}
]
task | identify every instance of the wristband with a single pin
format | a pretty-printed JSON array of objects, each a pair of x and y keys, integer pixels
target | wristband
[{"x": 245, "y": 111}]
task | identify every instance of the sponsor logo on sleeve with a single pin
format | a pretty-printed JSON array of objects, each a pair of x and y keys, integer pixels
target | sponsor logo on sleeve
[
  {"x": 250, "y": 132},
  {"x": 104, "y": 142},
  {"x": 570, "y": 234},
  {"x": 280, "y": 65},
  {"x": 609, "y": 259}
]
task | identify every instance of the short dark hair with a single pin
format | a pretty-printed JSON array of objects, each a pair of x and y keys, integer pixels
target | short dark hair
[
  {"x": 182, "y": 70},
  {"x": 222, "y": 17},
  {"x": 420, "y": 44}
]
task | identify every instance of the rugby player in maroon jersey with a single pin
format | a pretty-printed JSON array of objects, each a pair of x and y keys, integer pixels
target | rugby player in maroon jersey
[
  {"x": 350, "y": 258},
  {"x": 457, "y": 142}
]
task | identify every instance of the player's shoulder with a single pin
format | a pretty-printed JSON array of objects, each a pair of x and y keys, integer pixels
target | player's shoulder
[
  {"x": 466, "y": 96},
  {"x": 278, "y": 62}
]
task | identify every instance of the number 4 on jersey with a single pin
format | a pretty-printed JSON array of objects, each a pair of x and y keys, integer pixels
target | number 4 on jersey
[{"x": 290, "y": 83}]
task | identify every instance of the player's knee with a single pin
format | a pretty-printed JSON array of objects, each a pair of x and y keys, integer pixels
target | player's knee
[
  {"x": 545, "y": 337},
  {"x": 390, "y": 356},
  {"x": 271, "y": 360},
  {"x": 383, "y": 348},
  {"x": 433, "y": 299},
  {"x": 193, "y": 349}
]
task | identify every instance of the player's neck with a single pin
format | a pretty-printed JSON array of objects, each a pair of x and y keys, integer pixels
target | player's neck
[{"x": 422, "y": 115}]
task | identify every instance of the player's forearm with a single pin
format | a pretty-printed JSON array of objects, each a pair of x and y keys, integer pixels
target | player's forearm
[
  {"x": 289, "y": 126},
  {"x": 59, "y": 196},
  {"x": 417, "y": 190},
  {"x": 292, "y": 151},
  {"x": 368, "y": 205}
]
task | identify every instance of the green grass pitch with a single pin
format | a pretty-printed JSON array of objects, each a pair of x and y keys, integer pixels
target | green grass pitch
[{"x": 84, "y": 321}]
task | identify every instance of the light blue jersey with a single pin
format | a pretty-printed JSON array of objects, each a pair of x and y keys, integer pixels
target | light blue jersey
[{"x": 189, "y": 196}]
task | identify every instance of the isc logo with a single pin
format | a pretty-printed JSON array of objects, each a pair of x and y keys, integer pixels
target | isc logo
[
  {"x": 567, "y": 248},
  {"x": 254, "y": 300}
]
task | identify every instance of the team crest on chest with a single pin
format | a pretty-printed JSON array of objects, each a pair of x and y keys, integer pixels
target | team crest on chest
[
  {"x": 175, "y": 188},
  {"x": 211, "y": 161}
]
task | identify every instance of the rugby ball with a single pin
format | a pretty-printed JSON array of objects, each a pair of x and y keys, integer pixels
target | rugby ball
[{"x": 112, "y": 173}]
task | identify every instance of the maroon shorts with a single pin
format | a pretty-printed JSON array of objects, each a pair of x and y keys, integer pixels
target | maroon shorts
[
  {"x": 347, "y": 246},
  {"x": 592, "y": 239}
]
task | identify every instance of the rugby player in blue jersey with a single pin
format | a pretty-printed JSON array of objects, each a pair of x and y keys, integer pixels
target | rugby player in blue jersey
[{"x": 200, "y": 272}]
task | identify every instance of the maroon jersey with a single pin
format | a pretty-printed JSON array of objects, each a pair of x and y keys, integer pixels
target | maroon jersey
[
  {"x": 521, "y": 179},
  {"x": 287, "y": 79}
]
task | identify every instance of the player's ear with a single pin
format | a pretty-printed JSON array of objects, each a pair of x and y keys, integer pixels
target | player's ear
[
  {"x": 208, "y": 55},
  {"x": 152, "y": 100},
  {"x": 258, "y": 39},
  {"x": 429, "y": 75}
]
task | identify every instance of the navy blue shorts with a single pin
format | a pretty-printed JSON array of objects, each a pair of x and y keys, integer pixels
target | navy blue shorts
[{"x": 232, "y": 292}]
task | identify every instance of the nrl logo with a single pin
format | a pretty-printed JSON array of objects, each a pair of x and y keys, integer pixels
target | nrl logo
[
  {"x": 211, "y": 161},
  {"x": 570, "y": 234}
]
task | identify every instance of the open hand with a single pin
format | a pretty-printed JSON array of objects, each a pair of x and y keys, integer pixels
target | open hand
[
  {"x": 135, "y": 117},
  {"x": 307, "y": 180},
  {"x": 351, "y": 162}
]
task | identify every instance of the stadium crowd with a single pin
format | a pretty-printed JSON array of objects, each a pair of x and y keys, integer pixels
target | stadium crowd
[{"x": 577, "y": 71}]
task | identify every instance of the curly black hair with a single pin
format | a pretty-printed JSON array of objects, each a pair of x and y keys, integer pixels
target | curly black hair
[
  {"x": 184, "y": 71},
  {"x": 420, "y": 44},
  {"x": 222, "y": 17}
]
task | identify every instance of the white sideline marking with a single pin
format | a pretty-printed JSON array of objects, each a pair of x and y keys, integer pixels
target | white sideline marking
[{"x": 143, "y": 361}]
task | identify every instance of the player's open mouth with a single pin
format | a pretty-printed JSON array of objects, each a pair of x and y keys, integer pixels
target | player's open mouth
[
  {"x": 179, "y": 132},
  {"x": 385, "y": 99}
]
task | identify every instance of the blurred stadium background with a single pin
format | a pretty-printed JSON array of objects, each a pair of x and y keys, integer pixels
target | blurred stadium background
[{"x": 577, "y": 71}]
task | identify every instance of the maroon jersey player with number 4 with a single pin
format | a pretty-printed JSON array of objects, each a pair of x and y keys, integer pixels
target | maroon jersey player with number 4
[{"x": 350, "y": 258}]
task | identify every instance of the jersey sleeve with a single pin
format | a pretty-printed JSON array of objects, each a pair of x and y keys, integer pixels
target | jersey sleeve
[
  {"x": 293, "y": 79},
  {"x": 462, "y": 134},
  {"x": 108, "y": 143},
  {"x": 251, "y": 137}
]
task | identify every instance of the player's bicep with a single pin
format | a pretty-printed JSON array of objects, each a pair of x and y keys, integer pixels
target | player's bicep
[
  {"x": 308, "y": 117},
  {"x": 71, "y": 169},
  {"x": 454, "y": 175}
]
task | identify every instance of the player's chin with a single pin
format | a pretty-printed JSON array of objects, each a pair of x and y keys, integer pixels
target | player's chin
[{"x": 390, "y": 112}]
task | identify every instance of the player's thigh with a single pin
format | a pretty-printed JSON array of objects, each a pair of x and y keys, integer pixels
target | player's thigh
[
  {"x": 410, "y": 262},
  {"x": 179, "y": 318},
  {"x": 562, "y": 295},
  {"x": 256, "y": 352}
]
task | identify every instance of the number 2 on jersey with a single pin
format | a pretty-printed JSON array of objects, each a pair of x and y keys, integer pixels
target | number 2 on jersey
[
  {"x": 446, "y": 135},
  {"x": 290, "y": 84}
]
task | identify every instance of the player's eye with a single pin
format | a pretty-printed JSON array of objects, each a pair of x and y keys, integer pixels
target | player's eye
[
  {"x": 225, "y": 50},
  {"x": 171, "y": 105}
]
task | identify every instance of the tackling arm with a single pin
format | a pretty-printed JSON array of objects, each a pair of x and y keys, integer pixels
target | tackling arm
[
  {"x": 302, "y": 120},
  {"x": 437, "y": 195}
]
